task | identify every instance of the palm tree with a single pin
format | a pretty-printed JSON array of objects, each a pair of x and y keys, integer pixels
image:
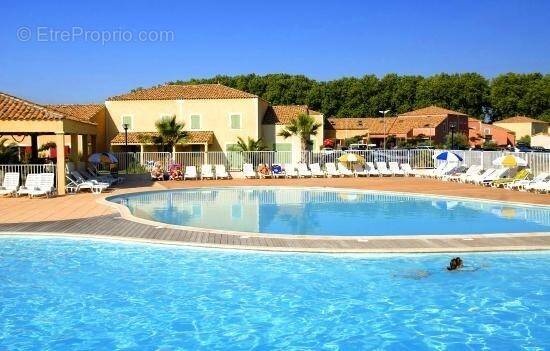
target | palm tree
[
  {"x": 170, "y": 132},
  {"x": 250, "y": 145},
  {"x": 303, "y": 126},
  {"x": 8, "y": 152}
]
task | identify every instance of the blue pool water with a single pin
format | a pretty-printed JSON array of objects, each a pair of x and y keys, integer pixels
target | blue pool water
[
  {"x": 58, "y": 294},
  {"x": 331, "y": 212}
]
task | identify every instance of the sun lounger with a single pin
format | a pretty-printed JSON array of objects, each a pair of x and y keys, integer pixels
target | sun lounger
[
  {"x": 383, "y": 169},
  {"x": 221, "y": 172},
  {"x": 10, "y": 184},
  {"x": 497, "y": 174},
  {"x": 303, "y": 172},
  {"x": 248, "y": 171},
  {"x": 101, "y": 179},
  {"x": 79, "y": 184},
  {"x": 81, "y": 179},
  {"x": 522, "y": 174},
  {"x": 540, "y": 187},
  {"x": 32, "y": 182},
  {"x": 460, "y": 177},
  {"x": 190, "y": 173},
  {"x": 522, "y": 184},
  {"x": 434, "y": 172},
  {"x": 478, "y": 178},
  {"x": 331, "y": 170},
  {"x": 394, "y": 168},
  {"x": 359, "y": 171},
  {"x": 105, "y": 177},
  {"x": 206, "y": 172},
  {"x": 449, "y": 169},
  {"x": 316, "y": 170},
  {"x": 277, "y": 171},
  {"x": 344, "y": 170},
  {"x": 46, "y": 186},
  {"x": 290, "y": 170},
  {"x": 372, "y": 170}
]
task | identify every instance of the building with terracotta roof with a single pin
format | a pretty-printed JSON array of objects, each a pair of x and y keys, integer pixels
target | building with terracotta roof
[
  {"x": 523, "y": 126},
  {"x": 480, "y": 133},
  {"x": 214, "y": 115},
  {"x": 432, "y": 123}
]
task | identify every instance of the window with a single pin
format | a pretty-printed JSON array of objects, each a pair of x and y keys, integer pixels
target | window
[
  {"x": 195, "y": 148},
  {"x": 128, "y": 120},
  {"x": 195, "y": 122},
  {"x": 282, "y": 147},
  {"x": 235, "y": 121}
]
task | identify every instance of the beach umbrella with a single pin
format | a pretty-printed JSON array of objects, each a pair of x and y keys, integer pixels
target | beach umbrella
[
  {"x": 447, "y": 156},
  {"x": 351, "y": 158},
  {"x": 102, "y": 157},
  {"x": 509, "y": 161}
]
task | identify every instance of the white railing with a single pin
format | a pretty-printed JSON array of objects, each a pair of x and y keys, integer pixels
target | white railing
[
  {"x": 25, "y": 169},
  {"x": 233, "y": 160}
]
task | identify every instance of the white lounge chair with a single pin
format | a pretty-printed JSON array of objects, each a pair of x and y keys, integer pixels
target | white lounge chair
[
  {"x": 434, "y": 172},
  {"x": 394, "y": 168},
  {"x": 523, "y": 184},
  {"x": 471, "y": 171},
  {"x": 10, "y": 184},
  {"x": 316, "y": 170},
  {"x": 331, "y": 170},
  {"x": 80, "y": 183},
  {"x": 344, "y": 170},
  {"x": 477, "y": 179},
  {"x": 206, "y": 172},
  {"x": 303, "y": 172},
  {"x": 81, "y": 179},
  {"x": 32, "y": 182},
  {"x": 101, "y": 178},
  {"x": 277, "y": 171},
  {"x": 359, "y": 171},
  {"x": 46, "y": 186},
  {"x": 372, "y": 170},
  {"x": 497, "y": 174},
  {"x": 221, "y": 172},
  {"x": 190, "y": 173},
  {"x": 448, "y": 169},
  {"x": 407, "y": 170},
  {"x": 383, "y": 169},
  {"x": 248, "y": 171},
  {"x": 290, "y": 170},
  {"x": 540, "y": 187}
]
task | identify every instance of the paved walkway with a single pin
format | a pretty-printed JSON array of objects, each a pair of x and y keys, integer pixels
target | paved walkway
[{"x": 83, "y": 215}]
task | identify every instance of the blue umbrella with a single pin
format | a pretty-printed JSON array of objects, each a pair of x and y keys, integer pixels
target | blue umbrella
[{"x": 448, "y": 156}]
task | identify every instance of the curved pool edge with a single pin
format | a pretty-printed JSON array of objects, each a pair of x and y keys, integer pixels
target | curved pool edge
[
  {"x": 384, "y": 251},
  {"x": 234, "y": 240}
]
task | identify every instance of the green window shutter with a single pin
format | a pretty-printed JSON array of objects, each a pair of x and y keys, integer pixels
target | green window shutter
[
  {"x": 195, "y": 122},
  {"x": 127, "y": 120},
  {"x": 283, "y": 147},
  {"x": 235, "y": 121}
]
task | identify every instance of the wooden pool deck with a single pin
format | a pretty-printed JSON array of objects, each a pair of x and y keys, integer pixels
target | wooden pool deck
[{"x": 86, "y": 216}]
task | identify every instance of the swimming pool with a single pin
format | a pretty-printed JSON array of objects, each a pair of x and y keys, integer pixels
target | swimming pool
[
  {"x": 334, "y": 212},
  {"x": 82, "y": 295}
]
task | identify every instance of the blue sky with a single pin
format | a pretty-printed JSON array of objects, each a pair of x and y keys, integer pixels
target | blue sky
[{"x": 321, "y": 40}]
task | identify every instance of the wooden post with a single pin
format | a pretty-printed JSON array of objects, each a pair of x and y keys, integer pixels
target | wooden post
[
  {"x": 60, "y": 148},
  {"x": 94, "y": 143},
  {"x": 34, "y": 148}
]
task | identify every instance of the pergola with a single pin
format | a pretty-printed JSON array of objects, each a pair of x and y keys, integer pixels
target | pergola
[{"x": 21, "y": 117}]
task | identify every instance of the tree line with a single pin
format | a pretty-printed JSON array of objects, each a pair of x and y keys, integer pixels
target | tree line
[{"x": 503, "y": 96}]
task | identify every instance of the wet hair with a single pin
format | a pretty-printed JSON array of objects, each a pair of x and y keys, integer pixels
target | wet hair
[{"x": 455, "y": 263}]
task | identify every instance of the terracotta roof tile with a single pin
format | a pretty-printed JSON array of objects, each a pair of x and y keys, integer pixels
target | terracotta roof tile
[
  {"x": 193, "y": 137},
  {"x": 283, "y": 114},
  {"x": 520, "y": 119},
  {"x": 185, "y": 92},
  {"x": 393, "y": 125},
  {"x": 86, "y": 112},
  {"x": 14, "y": 108},
  {"x": 432, "y": 111}
]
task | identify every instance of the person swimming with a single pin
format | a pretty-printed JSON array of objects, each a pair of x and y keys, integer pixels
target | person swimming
[{"x": 456, "y": 263}]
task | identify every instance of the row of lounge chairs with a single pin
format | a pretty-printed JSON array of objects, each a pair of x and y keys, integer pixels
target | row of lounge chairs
[
  {"x": 36, "y": 184},
  {"x": 207, "y": 171},
  {"x": 78, "y": 180},
  {"x": 502, "y": 177},
  {"x": 302, "y": 170}
]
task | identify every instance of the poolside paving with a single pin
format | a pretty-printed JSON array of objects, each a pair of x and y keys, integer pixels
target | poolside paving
[{"x": 83, "y": 215}]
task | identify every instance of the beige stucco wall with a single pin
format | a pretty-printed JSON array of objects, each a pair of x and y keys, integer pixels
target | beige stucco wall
[
  {"x": 541, "y": 140},
  {"x": 215, "y": 116},
  {"x": 270, "y": 136},
  {"x": 523, "y": 129}
]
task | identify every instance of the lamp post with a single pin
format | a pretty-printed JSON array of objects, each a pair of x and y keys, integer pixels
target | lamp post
[
  {"x": 453, "y": 127},
  {"x": 125, "y": 127},
  {"x": 384, "y": 116}
]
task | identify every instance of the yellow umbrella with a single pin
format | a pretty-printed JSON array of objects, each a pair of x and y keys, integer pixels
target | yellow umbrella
[
  {"x": 509, "y": 161},
  {"x": 351, "y": 158}
]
